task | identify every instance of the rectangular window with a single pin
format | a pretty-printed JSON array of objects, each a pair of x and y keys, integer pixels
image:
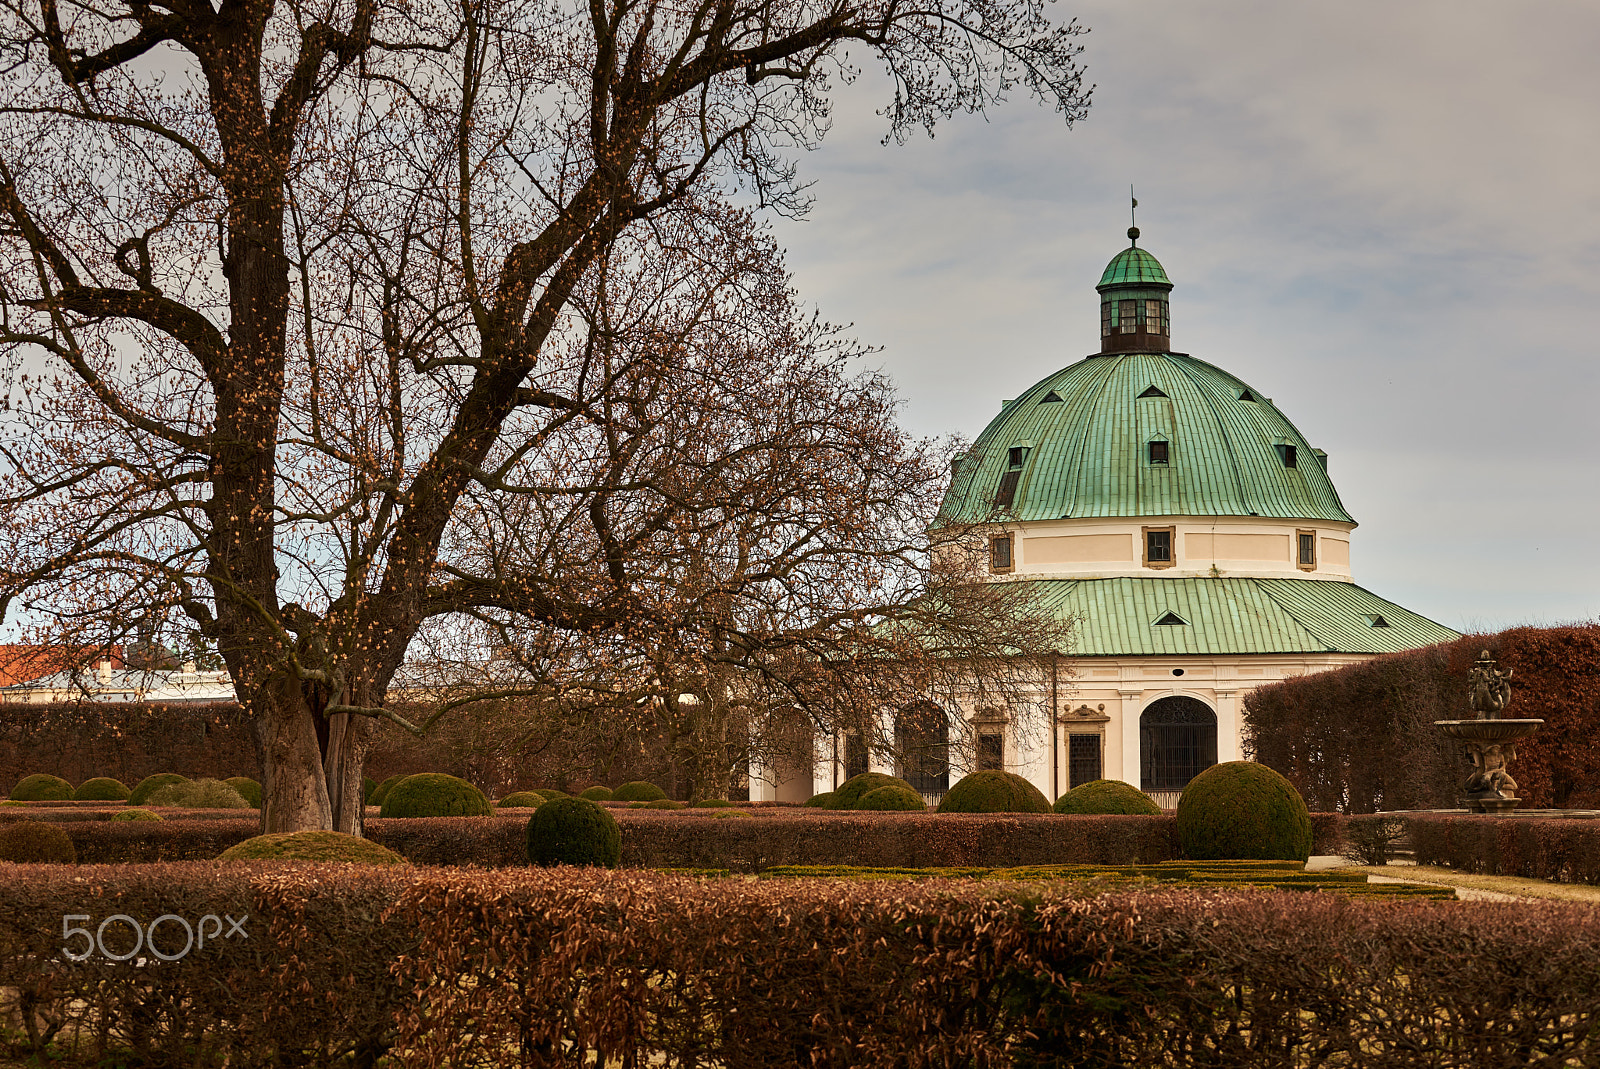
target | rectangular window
[
  {"x": 1006, "y": 494},
  {"x": 1083, "y": 759},
  {"x": 1307, "y": 541},
  {"x": 1158, "y": 547},
  {"x": 1015, "y": 456},
  {"x": 1152, "y": 317},
  {"x": 991, "y": 751},
  {"x": 1000, "y": 553},
  {"x": 1158, "y": 452},
  {"x": 1105, "y": 319},
  {"x": 1128, "y": 314},
  {"x": 1289, "y": 455}
]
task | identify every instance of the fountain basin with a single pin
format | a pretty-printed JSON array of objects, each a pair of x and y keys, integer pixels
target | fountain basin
[{"x": 1488, "y": 731}]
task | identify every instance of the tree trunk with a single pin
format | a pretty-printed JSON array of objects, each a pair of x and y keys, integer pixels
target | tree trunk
[
  {"x": 344, "y": 765},
  {"x": 294, "y": 794}
]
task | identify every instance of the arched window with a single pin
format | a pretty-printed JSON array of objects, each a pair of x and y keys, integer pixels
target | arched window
[
  {"x": 922, "y": 735},
  {"x": 1177, "y": 741}
]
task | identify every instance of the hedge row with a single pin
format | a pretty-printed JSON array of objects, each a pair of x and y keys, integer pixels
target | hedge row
[
  {"x": 521, "y": 968},
  {"x": 1565, "y": 849},
  {"x": 687, "y": 839}
]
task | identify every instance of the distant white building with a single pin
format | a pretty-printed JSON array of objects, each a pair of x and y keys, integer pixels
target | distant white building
[
  {"x": 112, "y": 681},
  {"x": 1185, "y": 524}
]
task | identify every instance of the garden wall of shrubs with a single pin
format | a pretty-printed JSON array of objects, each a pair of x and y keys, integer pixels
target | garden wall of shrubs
[
  {"x": 1361, "y": 738},
  {"x": 700, "y": 839},
  {"x": 435, "y": 967},
  {"x": 1564, "y": 849}
]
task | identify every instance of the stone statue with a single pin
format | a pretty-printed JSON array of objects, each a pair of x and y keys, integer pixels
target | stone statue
[
  {"x": 1488, "y": 689},
  {"x": 1490, "y": 773}
]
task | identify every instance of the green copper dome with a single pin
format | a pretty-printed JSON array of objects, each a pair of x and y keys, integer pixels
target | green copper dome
[
  {"x": 1134, "y": 266},
  {"x": 1079, "y": 444}
]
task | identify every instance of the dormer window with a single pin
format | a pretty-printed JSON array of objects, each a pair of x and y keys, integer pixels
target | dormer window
[
  {"x": 1006, "y": 495},
  {"x": 1247, "y": 396},
  {"x": 1375, "y": 620},
  {"x": 1289, "y": 455},
  {"x": 1151, "y": 391},
  {"x": 1015, "y": 456},
  {"x": 1172, "y": 619},
  {"x": 1158, "y": 451}
]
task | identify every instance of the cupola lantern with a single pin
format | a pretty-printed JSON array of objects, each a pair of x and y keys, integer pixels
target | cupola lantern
[{"x": 1134, "y": 314}]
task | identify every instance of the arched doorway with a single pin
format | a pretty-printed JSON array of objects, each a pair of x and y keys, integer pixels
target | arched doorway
[{"x": 1177, "y": 741}]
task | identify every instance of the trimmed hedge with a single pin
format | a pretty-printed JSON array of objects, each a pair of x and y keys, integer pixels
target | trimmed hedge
[
  {"x": 34, "y": 842},
  {"x": 573, "y": 831},
  {"x": 1239, "y": 809},
  {"x": 311, "y": 846},
  {"x": 711, "y": 803},
  {"x": 521, "y": 968},
  {"x": 101, "y": 789},
  {"x": 994, "y": 792},
  {"x": 137, "y": 814},
  {"x": 597, "y": 793},
  {"x": 140, "y": 795},
  {"x": 434, "y": 794},
  {"x": 550, "y": 792},
  {"x": 40, "y": 787},
  {"x": 820, "y": 801},
  {"x": 199, "y": 794},
  {"x": 638, "y": 791},
  {"x": 1563, "y": 849},
  {"x": 1103, "y": 796},
  {"x": 851, "y": 791},
  {"x": 382, "y": 790},
  {"x": 521, "y": 800}
]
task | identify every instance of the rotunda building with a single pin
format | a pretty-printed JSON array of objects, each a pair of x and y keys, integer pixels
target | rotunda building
[{"x": 1190, "y": 530}]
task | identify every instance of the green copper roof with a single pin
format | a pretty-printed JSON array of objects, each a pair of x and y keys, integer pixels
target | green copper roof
[
  {"x": 1086, "y": 432},
  {"x": 1116, "y": 617},
  {"x": 1134, "y": 266}
]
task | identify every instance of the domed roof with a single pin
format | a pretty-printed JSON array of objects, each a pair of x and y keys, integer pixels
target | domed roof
[
  {"x": 1134, "y": 266},
  {"x": 1078, "y": 446}
]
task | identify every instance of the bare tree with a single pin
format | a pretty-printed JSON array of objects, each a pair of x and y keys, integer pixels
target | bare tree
[{"x": 288, "y": 286}]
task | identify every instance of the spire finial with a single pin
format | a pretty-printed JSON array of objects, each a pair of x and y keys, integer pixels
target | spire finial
[{"x": 1133, "y": 231}]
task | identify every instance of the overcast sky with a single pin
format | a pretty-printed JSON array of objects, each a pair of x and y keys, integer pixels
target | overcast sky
[{"x": 1385, "y": 216}]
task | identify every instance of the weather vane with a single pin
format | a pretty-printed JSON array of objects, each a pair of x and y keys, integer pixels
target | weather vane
[{"x": 1133, "y": 231}]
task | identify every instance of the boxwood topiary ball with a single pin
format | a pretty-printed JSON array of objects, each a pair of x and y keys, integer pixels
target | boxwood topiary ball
[
  {"x": 368, "y": 785},
  {"x": 820, "y": 801},
  {"x": 199, "y": 794},
  {"x": 35, "y": 842},
  {"x": 100, "y": 789},
  {"x": 573, "y": 831},
  {"x": 382, "y": 790},
  {"x": 994, "y": 792},
  {"x": 1107, "y": 796},
  {"x": 136, "y": 814},
  {"x": 1242, "y": 810},
  {"x": 311, "y": 846},
  {"x": 140, "y": 795},
  {"x": 522, "y": 800},
  {"x": 852, "y": 790},
  {"x": 638, "y": 791},
  {"x": 661, "y": 803},
  {"x": 248, "y": 789},
  {"x": 596, "y": 793},
  {"x": 890, "y": 798},
  {"x": 548, "y": 793},
  {"x": 434, "y": 794},
  {"x": 42, "y": 788}
]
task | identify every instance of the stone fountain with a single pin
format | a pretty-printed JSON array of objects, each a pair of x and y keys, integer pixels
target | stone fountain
[{"x": 1491, "y": 739}]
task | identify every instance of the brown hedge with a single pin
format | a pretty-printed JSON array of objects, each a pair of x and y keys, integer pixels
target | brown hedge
[
  {"x": 452, "y": 967},
  {"x": 1564, "y": 849},
  {"x": 1361, "y": 739},
  {"x": 690, "y": 839}
]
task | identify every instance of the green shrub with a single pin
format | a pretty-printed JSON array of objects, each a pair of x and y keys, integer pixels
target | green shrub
[
  {"x": 140, "y": 795},
  {"x": 522, "y": 800},
  {"x": 820, "y": 801},
  {"x": 1107, "y": 797},
  {"x": 199, "y": 794},
  {"x": 660, "y": 803},
  {"x": 638, "y": 791},
  {"x": 100, "y": 789},
  {"x": 712, "y": 803},
  {"x": 248, "y": 789},
  {"x": 548, "y": 793},
  {"x": 574, "y": 831},
  {"x": 994, "y": 792},
  {"x": 891, "y": 798},
  {"x": 434, "y": 794},
  {"x": 42, "y": 788},
  {"x": 12, "y": 802},
  {"x": 385, "y": 787},
  {"x": 311, "y": 846},
  {"x": 721, "y": 813},
  {"x": 851, "y": 791},
  {"x": 1240, "y": 809},
  {"x": 368, "y": 785},
  {"x": 34, "y": 841},
  {"x": 136, "y": 814},
  {"x": 596, "y": 793}
]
